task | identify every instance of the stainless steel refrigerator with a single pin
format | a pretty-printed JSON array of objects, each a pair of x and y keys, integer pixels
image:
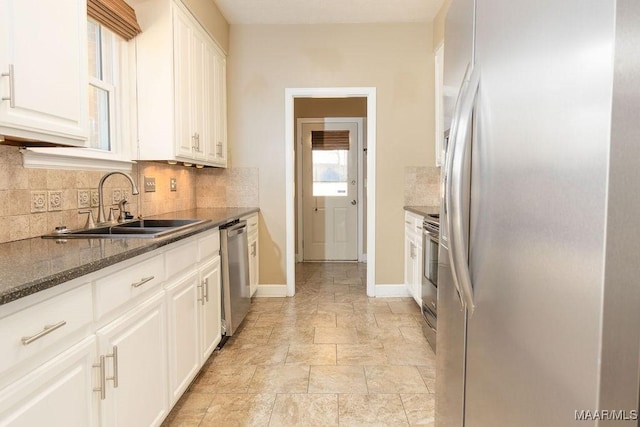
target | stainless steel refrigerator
[{"x": 539, "y": 275}]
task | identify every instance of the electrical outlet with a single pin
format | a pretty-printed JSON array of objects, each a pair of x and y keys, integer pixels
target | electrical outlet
[
  {"x": 173, "y": 185},
  {"x": 149, "y": 184}
]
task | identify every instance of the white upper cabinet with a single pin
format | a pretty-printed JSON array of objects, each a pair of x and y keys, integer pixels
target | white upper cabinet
[
  {"x": 43, "y": 67},
  {"x": 181, "y": 87}
]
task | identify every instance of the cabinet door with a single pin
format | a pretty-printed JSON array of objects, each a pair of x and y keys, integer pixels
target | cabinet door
[
  {"x": 220, "y": 108},
  {"x": 58, "y": 393},
  {"x": 184, "y": 357},
  {"x": 409, "y": 261},
  {"x": 210, "y": 318},
  {"x": 43, "y": 63},
  {"x": 209, "y": 111},
  {"x": 253, "y": 261},
  {"x": 417, "y": 273},
  {"x": 138, "y": 394},
  {"x": 199, "y": 94},
  {"x": 182, "y": 58}
]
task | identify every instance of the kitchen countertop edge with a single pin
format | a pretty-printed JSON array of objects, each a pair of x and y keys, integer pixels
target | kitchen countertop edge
[
  {"x": 215, "y": 217},
  {"x": 423, "y": 210}
]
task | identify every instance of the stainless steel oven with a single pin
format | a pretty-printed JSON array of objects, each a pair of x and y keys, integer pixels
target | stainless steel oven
[{"x": 430, "y": 243}]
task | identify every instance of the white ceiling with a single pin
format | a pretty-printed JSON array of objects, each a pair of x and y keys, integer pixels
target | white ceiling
[{"x": 327, "y": 11}]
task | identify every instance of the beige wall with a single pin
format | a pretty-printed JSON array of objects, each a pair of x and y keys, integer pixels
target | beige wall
[
  {"x": 330, "y": 107},
  {"x": 396, "y": 59},
  {"x": 438, "y": 24},
  {"x": 210, "y": 17}
]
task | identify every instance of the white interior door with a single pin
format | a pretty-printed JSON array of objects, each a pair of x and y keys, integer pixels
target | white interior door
[{"x": 330, "y": 190}]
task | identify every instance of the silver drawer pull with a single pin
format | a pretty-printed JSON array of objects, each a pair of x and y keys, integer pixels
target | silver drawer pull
[
  {"x": 103, "y": 379},
  {"x": 143, "y": 281},
  {"x": 47, "y": 330},
  {"x": 114, "y": 356}
]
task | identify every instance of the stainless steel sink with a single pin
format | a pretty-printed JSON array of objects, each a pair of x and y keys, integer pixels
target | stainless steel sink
[{"x": 140, "y": 229}]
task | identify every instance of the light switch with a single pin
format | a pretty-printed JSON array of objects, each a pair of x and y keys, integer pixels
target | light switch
[{"x": 149, "y": 184}]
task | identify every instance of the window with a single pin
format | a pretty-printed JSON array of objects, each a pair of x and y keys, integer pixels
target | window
[
  {"x": 103, "y": 66},
  {"x": 110, "y": 131},
  {"x": 330, "y": 156}
]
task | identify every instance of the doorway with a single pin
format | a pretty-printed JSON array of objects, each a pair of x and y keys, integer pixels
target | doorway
[
  {"x": 330, "y": 178},
  {"x": 369, "y": 132}
]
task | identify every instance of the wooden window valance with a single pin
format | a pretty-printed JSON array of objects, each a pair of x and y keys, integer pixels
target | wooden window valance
[
  {"x": 116, "y": 15},
  {"x": 330, "y": 140}
]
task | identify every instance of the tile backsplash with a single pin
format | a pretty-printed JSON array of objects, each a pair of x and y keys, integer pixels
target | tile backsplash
[
  {"x": 35, "y": 201},
  {"x": 421, "y": 186},
  {"x": 237, "y": 187}
]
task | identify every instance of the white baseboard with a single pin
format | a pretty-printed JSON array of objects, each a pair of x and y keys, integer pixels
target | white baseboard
[
  {"x": 271, "y": 291},
  {"x": 399, "y": 290},
  {"x": 278, "y": 291}
]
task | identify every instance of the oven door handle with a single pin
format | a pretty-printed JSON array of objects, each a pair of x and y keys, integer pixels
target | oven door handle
[{"x": 430, "y": 233}]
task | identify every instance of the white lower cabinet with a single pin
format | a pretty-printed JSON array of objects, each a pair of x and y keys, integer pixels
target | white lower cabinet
[
  {"x": 183, "y": 311},
  {"x": 193, "y": 298},
  {"x": 210, "y": 305},
  {"x": 57, "y": 393},
  {"x": 254, "y": 252},
  {"x": 133, "y": 349},
  {"x": 413, "y": 255},
  {"x": 119, "y": 346}
]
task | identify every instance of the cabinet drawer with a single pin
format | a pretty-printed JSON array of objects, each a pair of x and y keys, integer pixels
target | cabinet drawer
[
  {"x": 209, "y": 245},
  {"x": 28, "y": 331},
  {"x": 124, "y": 284},
  {"x": 181, "y": 257},
  {"x": 413, "y": 223}
]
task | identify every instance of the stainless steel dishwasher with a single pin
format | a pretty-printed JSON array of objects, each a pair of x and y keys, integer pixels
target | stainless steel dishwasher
[{"x": 236, "y": 295}]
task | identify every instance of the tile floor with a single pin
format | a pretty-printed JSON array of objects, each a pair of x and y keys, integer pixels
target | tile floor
[{"x": 330, "y": 356}]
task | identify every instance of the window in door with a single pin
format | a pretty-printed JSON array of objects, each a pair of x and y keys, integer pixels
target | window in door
[{"x": 329, "y": 152}]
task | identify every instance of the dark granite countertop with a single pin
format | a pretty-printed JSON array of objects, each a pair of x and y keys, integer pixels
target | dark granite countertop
[
  {"x": 423, "y": 210},
  {"x": 33, "y": 265}
]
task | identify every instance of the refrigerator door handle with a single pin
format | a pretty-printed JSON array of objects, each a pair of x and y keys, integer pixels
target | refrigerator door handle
[
  {"x": 448, "y": 163},
  {"x": 458, "y": 251}
]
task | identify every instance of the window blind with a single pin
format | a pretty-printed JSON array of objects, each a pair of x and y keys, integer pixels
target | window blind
[
  {"x": 330, "y": 140},
  {"x": 116, "y": 15}
]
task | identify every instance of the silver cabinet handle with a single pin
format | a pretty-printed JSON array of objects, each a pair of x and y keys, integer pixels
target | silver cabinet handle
[
  {"x": 418, "y": 228},
  {"x": 408, "y": 222},
  {"x": 114, "y": 356},
  {"x": 201, "y": 286},
  {"x": 103, "y": 378},
  {"x": 142, "y": 281},
  {"x": 196, "y": 141},
  {"x": 12, "y": 90},
  {"x": 219, "y": 149},
  {"x": 206, "y": 288},
  {"x": 46, "y": 331},
  {"x": 353, "y": 202}
]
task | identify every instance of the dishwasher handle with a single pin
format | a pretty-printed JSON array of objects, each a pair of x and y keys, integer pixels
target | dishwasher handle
[{"x": 233, "y": 229}]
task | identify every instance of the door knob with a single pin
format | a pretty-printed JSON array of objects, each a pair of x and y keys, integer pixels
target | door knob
[{"x": 353, "y": 202}]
